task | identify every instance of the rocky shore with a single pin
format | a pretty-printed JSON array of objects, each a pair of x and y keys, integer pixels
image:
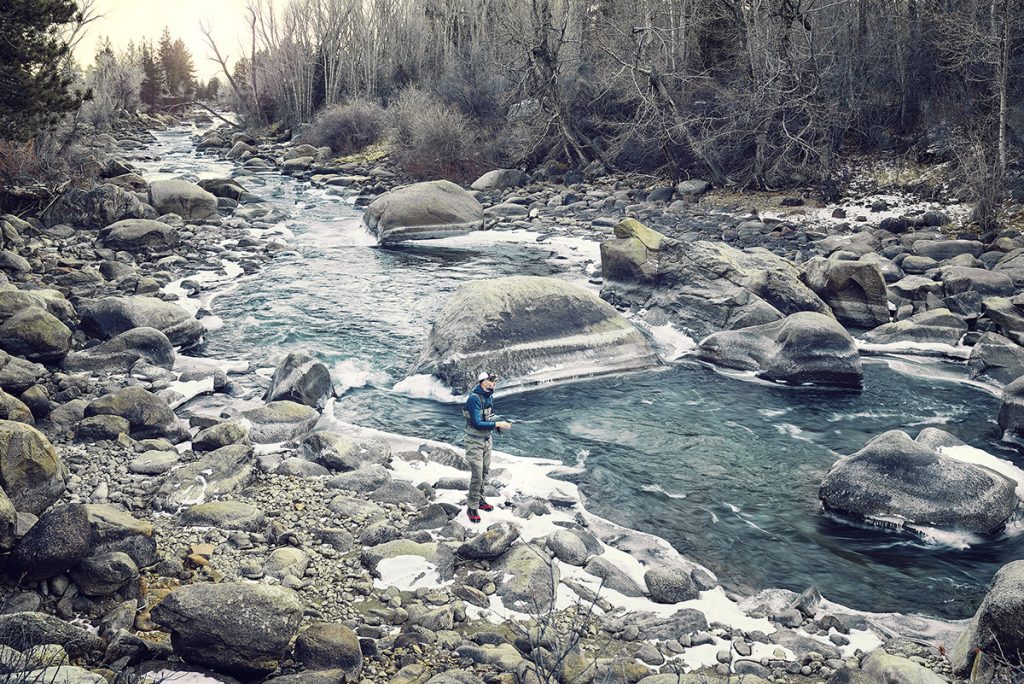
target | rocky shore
[{"x": 141, "y": 535}]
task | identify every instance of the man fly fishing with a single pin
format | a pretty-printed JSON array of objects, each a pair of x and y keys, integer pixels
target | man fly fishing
[{"x": 480, "y": 424}]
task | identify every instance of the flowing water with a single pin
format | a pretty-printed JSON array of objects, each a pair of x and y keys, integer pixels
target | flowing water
[{"x": 723, "y": 467}]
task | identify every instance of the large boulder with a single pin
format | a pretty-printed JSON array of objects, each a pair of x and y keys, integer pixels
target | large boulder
[
  {"x": 960, "y": 279},
  {"x": 501, "y": 179},
  {"x": 302, "y": 379},
  {"x": 997, "y": 628},
  {"x": 854, "y": 289},
  {"x": 330, "y": 646},
  {"x": 1011, "y": 408},
  {"x": 214, "y": 474},
  {"x": 17, "y": 374},
  {"x": 94, "y": 208},
  {"x": 899, "y": 482},
  {"x": 30, "y": 471},
  {"x": 703, "y": 287},
  {"x": 1008, "y": 314},
  {"x": 633, "y": 255},
  {"x": 148, "y": 414},
  {"x": 529, "y": 579},
  {"x": 883, "y": 667},
  {"x": 139, "y": 235},
  {"x": 338, "y": 452},
  {"x": 528, "y": 330},
  {"x": 22, "y": 631},
  {"x": 13, "y": 300},
  {"x": 490, "y": 544},
  {"x": 12, "y": 408},
  {"x": 35, "y": 334},
  {"x": 111, "y": 316},
  {"x": 996, "y": 358},
  {"x": 187, "y": 200},
  {"x": 422, "y": 211},
  {"x": 237, "y": 629},
  {"x": 8, "y": 523},
  {"x": 280, "y": 421},
  {"x": 804, "y": 348},
  {"x": 58, "y": 541},
  {"x": 121, "y": 352},
  {"x": 938, "y": 326},
  {"x": 940, "y": 250},
  {"x": 1012, "y": 265}
]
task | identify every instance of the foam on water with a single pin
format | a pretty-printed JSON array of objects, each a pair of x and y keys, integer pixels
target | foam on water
[
  {"x": 425, "y": 386},
  {"x": 347, "y": 374},
  {"x": 658, "y": 489},
  {"x": 969, "y": 454},
  {"x": 671, "y": 342}
]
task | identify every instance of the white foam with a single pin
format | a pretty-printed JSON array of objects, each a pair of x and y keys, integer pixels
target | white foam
[
  {"x": 425, "y": 386},
  {"x": 185, "y": 391},
  {"x": 926, "y": 348},
  {"x": 952, "y": 539},
  {"x": 347, "y": 374},
  {"x": 407, "y": 573},
  {"x": 671, "y": 342},
  {"x": 176, "y": 677},
  {"x": 658, "y": 489}
]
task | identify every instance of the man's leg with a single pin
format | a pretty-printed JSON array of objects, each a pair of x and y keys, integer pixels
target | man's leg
[
  {"x": 485, "y": 468},
  {"x": 475, "y": 448}
]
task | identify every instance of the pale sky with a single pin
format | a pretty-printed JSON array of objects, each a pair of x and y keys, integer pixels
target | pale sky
[{"x": 134, "y": 20}]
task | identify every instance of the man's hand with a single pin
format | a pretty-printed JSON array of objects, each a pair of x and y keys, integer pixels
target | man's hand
[{"x": 503, "y": 425}]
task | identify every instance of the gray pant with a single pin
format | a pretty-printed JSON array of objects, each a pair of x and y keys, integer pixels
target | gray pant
[{"x": 478, "y": 456}]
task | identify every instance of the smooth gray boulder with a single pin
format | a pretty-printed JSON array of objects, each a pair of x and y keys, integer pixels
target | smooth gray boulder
[
  {"x": 215, "y": 474},
  {"x": 302, "y": 379},
  {"x": 670, "y": 585},
  {"x": 612, "y": 577},
  {"x": 111, "y": 316},
  {"x": 1008, "y": 314},
  {"x": 704, "y": 287},
  {"x": 220, "y": 435},
  {"x": 103, "y": 574},
  {"x": 940, "y": 250},
  {"x": 187, "y": 200},
  {"x": 960, "y": 279},
  {"x": 1011, "y": 408},
  {"x": 35, "y": 334},
  {"x": 938, "y": 326},
  {"x": 94, "y": 208},
  {"x": 568, "y": 547},
  {"x": 1012, "y": 265},
  {"x": 58, "y": 541},
  {"x": 898, "y": 482},
  {"x": 30, "y": 471},
  {"x": 997, "y": 628},
  {"x": 529, "y": 330},
  {"x": 280, "y": 421},
  {"x": 139, "y": 235},
  {"x": 803, "y": 348},
  {"x": 121, "y": 352},
  {"x": 855, "y": 290},
  {"x": 501, "y": 179},
  {"x": 148, "y": 414},
  {"x": 338, "y": 452},
  {"x": 225, "y": 515},
  {"x": 890, "y": 668},
  {"x": 423, "y": 211},
  {"x": 234, "y": 628},
  {"x": 996, "y": 359},
  {"x": 17, "y": 375}
]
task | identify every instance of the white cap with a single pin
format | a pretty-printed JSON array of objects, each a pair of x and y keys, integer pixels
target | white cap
[{"x": 484, "y": 375}]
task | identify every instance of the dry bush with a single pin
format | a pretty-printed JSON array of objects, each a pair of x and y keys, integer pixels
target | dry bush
[
  {"x": 436, "y": 140},
  {"x": 349, "y": 127}
]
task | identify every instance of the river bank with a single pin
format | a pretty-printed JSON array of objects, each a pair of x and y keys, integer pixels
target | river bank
[{"x": 373, "y": 549}]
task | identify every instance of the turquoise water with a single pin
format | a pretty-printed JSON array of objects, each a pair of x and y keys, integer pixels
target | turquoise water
[{"x": 724, "y": 468}]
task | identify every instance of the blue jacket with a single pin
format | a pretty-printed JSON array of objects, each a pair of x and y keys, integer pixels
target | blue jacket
[{"x": 476, "y": 403}]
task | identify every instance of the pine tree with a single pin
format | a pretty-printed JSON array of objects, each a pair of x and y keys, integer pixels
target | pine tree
[
  {"x": 153, "y": 82},
  {"x": 185, "y": 69},
  {"x": 34, "y": 89}
]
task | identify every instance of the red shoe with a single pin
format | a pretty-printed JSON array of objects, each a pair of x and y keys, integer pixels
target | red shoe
[
  {"x": 484, "y": 506},
  {"x": 474, "y": 517}
]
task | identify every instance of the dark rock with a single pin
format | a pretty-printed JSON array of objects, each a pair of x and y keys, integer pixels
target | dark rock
[
  {"x": 802, "y": 348},
  {"x": 121, "y": 352},
  {"x": 22, "y": 631},
  {"x": 238, "y": 629},
  {"x": 58, "y": 541},
  {"x": 612, "y": 577},
  {"x": 36, "y": 335},
  {"x": 302, "y": 379},
  {"x": 855, "y": 290},
  {"x": 94, "y": 208},
  {"x": 670, "y": 585},
  {"x": 997, "y": 628},
  {"x": 147, "y": 413},
  {"x": 330, "y": 646},
  {"x": 31, "y": 473},
  {"x": 111, "y": 316},
  {"x": 899, "y": 482}
]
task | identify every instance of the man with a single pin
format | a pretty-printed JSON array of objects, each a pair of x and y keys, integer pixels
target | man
[{"x": 479, "y": 413}]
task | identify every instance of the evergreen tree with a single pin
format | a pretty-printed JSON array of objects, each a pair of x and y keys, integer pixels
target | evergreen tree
[
  {"x": 153, "y": 82},
  {"x": 34, "y": 89}
]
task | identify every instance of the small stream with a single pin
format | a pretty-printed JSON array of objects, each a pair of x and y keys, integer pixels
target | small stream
[{"x": 723, "y": 467}]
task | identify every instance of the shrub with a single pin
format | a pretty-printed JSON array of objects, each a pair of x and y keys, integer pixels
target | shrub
[
  {"x": 435, "y": 140},
  {"x": 349, "y": 127}
]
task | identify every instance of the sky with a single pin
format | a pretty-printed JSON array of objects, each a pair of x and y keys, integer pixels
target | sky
[{"x": 135, "y": 20}]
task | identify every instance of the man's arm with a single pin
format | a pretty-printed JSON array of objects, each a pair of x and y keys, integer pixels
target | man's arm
[{"x": 476, "y": 414}]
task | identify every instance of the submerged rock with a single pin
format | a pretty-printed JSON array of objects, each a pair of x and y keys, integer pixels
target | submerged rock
[
  {"x": 899, "y": 482},
  {"x": 530, "y": 329},
  {"x": 422, "y": 211},
  {"x": 800, "y": 349}
]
